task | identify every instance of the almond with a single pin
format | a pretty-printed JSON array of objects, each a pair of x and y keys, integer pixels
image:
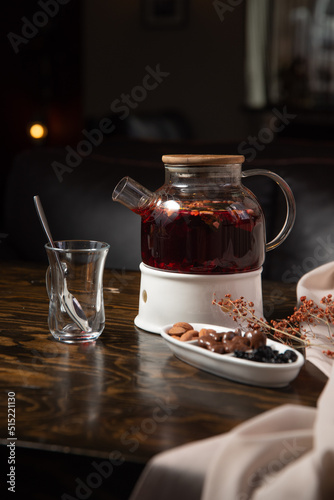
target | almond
[
  {"x": 176, "y": 330},
  {"x": 189, "y": 335},
  {"x": 184, "y": 325}
]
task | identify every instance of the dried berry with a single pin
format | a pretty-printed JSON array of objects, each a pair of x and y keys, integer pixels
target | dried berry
[{"x": 265, "y": 354}]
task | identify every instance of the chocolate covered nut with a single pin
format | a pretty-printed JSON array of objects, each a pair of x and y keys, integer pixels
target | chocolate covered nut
[
  {"x": 237, "y": 343},
  {"x": 218, "y": 347},
  {"x": 210, "y": 331},
  {"x": 205, "y": 341},
  {"x": 228, "y": 346},
  {"x": 258, "y": 339},
  {"x": 218, "y": 337},
  {"x": 230, "y": 341},
  {"x": 228, "y": 336}
]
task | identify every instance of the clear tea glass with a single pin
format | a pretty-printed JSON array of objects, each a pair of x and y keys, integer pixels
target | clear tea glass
[{"x": 74, "y": 282}]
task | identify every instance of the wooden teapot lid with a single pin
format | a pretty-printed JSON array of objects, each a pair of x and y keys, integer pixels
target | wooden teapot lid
[{"x": 202, "y": 159}]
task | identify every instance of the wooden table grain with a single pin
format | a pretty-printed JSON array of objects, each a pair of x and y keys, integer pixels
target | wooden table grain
[{"x": 120, "y": 400}]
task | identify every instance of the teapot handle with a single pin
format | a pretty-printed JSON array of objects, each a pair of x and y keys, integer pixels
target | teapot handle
[{"x": 290, "y": 205}]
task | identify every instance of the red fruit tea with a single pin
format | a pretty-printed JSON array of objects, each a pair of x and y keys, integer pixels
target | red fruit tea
[{"x": 203, "y": 240}]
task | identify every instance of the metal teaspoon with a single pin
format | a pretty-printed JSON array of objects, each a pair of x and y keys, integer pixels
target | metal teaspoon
[{"x": 71, "y": 304}]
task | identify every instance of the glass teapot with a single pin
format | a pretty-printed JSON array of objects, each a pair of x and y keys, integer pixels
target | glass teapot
[{"x": 203, "y": 220}]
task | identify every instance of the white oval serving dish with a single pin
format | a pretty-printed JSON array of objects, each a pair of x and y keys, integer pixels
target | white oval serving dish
[{"x": 232, "y": 368}]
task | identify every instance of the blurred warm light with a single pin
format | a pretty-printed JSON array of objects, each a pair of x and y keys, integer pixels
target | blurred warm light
[{"x": 38, "y": 131}]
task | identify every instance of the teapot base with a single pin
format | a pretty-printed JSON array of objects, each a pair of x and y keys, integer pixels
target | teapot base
[{"x": 166, "y": 297}]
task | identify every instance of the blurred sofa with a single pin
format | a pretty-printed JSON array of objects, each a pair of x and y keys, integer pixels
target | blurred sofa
[{"x": 78, "y": 204}]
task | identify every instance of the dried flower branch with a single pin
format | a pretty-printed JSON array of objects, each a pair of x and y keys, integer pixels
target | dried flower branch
[{"x": 296, "y": 330}]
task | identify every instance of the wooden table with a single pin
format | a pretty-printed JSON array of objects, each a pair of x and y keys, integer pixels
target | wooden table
[{"x": 98, "y": 412}]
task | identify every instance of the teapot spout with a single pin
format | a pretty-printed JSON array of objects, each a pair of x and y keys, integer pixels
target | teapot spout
[{"x": 132, "y": 195}]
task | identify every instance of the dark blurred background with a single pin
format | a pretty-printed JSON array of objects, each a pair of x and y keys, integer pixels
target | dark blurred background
[
  {"x": 226, "y": 66},
  {"x": 66, "y": 61},
  {"x": 88, "y": 54}
]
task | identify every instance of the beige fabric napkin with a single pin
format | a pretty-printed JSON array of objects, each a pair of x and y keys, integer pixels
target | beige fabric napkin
[
  {"x": 286, "y": 453},
  {"x": 315, "y": 285}
]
